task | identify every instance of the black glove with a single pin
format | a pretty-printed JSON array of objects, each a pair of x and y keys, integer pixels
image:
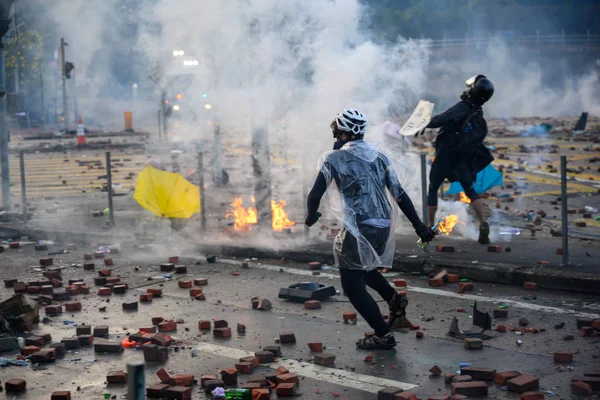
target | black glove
[
  {"x": 312, "y": 219},
  {"x": 426, "y": 234},
  {"x": 421, "y": 132}
]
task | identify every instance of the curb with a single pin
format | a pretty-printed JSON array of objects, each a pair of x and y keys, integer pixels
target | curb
[{"x": 508, "y": 274}]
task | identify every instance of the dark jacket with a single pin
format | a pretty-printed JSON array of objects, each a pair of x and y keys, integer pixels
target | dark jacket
[{"x": 462, "y": 162}]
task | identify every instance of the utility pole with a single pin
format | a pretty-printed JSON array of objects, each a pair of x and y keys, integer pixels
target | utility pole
[
  {"x": 75, "y": 95},
  {"x": 64, "y": 82},
  {"x": 5, "y": 20}
]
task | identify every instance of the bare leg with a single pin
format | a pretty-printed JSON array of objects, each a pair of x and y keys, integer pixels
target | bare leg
[
  {"x": 431, "y": 211},
  {"x": 479, "y": 210}
]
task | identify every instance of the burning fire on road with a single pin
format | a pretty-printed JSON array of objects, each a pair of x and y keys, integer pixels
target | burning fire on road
[
  {"x": 245, "y": 218},
  {"x": 463, "y": 198}
]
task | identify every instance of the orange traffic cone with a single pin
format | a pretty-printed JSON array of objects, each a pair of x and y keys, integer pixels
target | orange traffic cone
[{"x": 80, "y": 132}]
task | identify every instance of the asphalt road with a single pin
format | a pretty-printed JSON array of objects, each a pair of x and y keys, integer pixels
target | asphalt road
[{"x": 228, "y": 297}]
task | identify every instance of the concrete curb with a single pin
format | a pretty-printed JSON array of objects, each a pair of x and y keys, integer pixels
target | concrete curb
[{"x": 509, "y": 274}]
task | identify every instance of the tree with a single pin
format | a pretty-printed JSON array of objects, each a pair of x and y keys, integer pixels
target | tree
[{"x": 25, "y": 52}]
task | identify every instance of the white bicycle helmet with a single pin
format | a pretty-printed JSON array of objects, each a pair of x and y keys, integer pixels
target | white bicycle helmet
[{"x": 350, "y": 120}]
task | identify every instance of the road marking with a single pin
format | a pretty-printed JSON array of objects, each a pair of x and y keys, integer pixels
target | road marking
[
  {"x": 438, "y": 292},
  {"x": 336, "y": 376}
]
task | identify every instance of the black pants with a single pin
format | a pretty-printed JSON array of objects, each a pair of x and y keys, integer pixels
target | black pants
[
  {"x": 441, "y": 170},
  {"x": 354, "y": 283}
]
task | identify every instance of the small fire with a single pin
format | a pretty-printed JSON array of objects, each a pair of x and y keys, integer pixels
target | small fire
[
  {"x": 244, "y": 218},
  {"x": 463, "y": 198},
  {"x": 280, "y": 217},
  {"x": 446, "y": 224}
]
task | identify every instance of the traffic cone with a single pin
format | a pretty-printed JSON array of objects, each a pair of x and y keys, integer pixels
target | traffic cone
[{"x": 80, "y": 132}]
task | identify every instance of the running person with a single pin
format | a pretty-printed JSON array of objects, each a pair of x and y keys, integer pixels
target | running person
[
  {"x": 459, "y": 150},
  {"x": 367, "y": 185}
]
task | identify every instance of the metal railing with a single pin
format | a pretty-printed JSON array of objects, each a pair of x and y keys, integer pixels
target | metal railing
[{"x": 531, "y": 40}]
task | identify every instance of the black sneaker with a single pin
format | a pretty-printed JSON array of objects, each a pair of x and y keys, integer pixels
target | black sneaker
[
  {"x": 397, "y": 309},
  {"x": 484, "y": 233},
  {"x": 377, "y": 343}
]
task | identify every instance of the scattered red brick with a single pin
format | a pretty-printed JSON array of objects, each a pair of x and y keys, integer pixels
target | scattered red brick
[
  {"x": 453, "y": 278},
  {"x": 349, "y": 317},
  {"x": 435, "y": 370},
  {"x": 532, "y": 396},
  {"x": 564, "y": 358},
  {"x": 420, "y": 335},
  {"x": 471, "y": 389},
  {"x": 501, "y": 328},
  {"x": 435, "y": 282},
  {"x": 116, "y": 377},
  {"x": 523, "y": 383},
  {"x": 167, "y": 326},
  {"x": 400, "y": 282},
  {"x": 312, "y": 304},
  {"x": 315, "y": 346},
  {"x": 530, "y": 286},
  {"x": 185, "y": 284},
  {"x": 369, "y": 359},
  {"x": 61, "y": 395},
  {"x": 466, "y": 287},
  {"x": 494, "y": 249},
  {"x": 244, "y": 367},
  {"x": 579, "y": 388},
  {"x": 200, "y": 282},
  {"x": 444, "y": 248}
]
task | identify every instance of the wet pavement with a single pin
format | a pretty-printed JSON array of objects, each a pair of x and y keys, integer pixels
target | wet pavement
[{"x": 228, "y": 297}]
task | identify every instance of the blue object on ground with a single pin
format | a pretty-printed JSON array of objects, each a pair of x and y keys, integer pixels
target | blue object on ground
[{"x": 486, "y": 179}]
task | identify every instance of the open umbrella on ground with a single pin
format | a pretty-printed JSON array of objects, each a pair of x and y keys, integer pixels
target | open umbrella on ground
[{"x": 166, "y": 194}]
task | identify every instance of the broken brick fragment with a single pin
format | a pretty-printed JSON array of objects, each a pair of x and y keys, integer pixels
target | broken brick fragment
[
  {"x": 453, "y": 278},
  {"x": 179, "y": 393},
  {"x": 523, "y": 383},
  {"x": 530, "y": 286},
  {"x": 204, "y": 325},
  {"x": 167, "y": 326},
  {"x": 286, "y": 389},
  {"x": 28, "y": 350},
  {"x": 116, "y": 377},
  {"x": 435, "y": 370},
  {"x": 473, "y": 343},
  {"x": 173, "y": 259},
  {"x": 388, "y": 393},
  {"x": 261, "y": 394},
  {"x": 315, "y": 346},
  {"x": 435, "y": 282},
  {"x": 104, "y": 291},
  {"x": 154, "y": 292},
  {"x": 314, "y": 266},
  {"x": 251, "y": 359},
  {"x": 200, "y": 282},
  {"x": 241, "y": 328},
  {"x": 466, "y": 287},
  {"x": 195, "y": 292},
  {"x": 157, "y": 391},
  {"x": 349, "y": 317},
  {"x": 182, "y": 380},
  {"x": 15, "y": 386},
  {"x": 287, "y": 337},
  {"x": 244, "y": 367},
  {"x": 399, "y": 282},
  {"x": 501, "y": 328},
  {"x": 324, "y": 359},
  {"x": 185, "y": 284},
  {"x": 229, "y": 376},
  {"x": 288, "y": 378},
  {"x": 146, "y": 298},
  {"x": 420, "y": 335},
  {"x": 312, "y": 304},
  {"x": 579, "y": 388},
  {"x": 502, "y": 377},
  {"x": 130, "y": 306},
  {"x": 220, "y": 323},
  {"x": 264, "y": 357},
  {"x": 444, "y": 248},
  {"x": 222, "y": 332},
  {"x": 494, "y": 249},
  {"x": 53, "y": 310},
  {"x": 61, "y": 395},
  {"x": 563, "y": 357},
  {"x": 470, "y": 389}
]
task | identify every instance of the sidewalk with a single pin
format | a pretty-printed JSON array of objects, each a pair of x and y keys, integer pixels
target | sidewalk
[{"x": 529, "y": 260}]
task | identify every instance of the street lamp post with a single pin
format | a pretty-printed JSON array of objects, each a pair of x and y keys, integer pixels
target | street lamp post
[{"x": 5, "y": 6}]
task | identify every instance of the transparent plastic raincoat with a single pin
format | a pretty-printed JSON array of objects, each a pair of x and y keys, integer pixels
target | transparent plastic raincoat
[{"x": 362, "y": 191}]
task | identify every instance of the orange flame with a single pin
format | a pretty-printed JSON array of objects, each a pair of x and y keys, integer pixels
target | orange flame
[
  {"x": 463, "y": 198},
  {"x": 280, "y": 217},
  {"x": 243, "y": 217},
  {"x": 446, "y": 224}
]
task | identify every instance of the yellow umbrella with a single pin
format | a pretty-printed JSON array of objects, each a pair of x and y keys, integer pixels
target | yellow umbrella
[{"x": 166, "y": 194}]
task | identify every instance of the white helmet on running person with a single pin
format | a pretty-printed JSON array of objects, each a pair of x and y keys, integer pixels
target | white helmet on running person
[{"x": 351, "y": 120}]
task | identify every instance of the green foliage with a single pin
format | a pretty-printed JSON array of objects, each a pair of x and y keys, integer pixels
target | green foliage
[{"x": 26, "y": 52}]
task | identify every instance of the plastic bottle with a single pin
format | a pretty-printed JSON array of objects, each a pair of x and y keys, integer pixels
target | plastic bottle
[{"x": 238, "y": 394}]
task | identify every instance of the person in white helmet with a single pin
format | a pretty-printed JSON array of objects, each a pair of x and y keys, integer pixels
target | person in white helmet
[{"x": 366, "y": 186}]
